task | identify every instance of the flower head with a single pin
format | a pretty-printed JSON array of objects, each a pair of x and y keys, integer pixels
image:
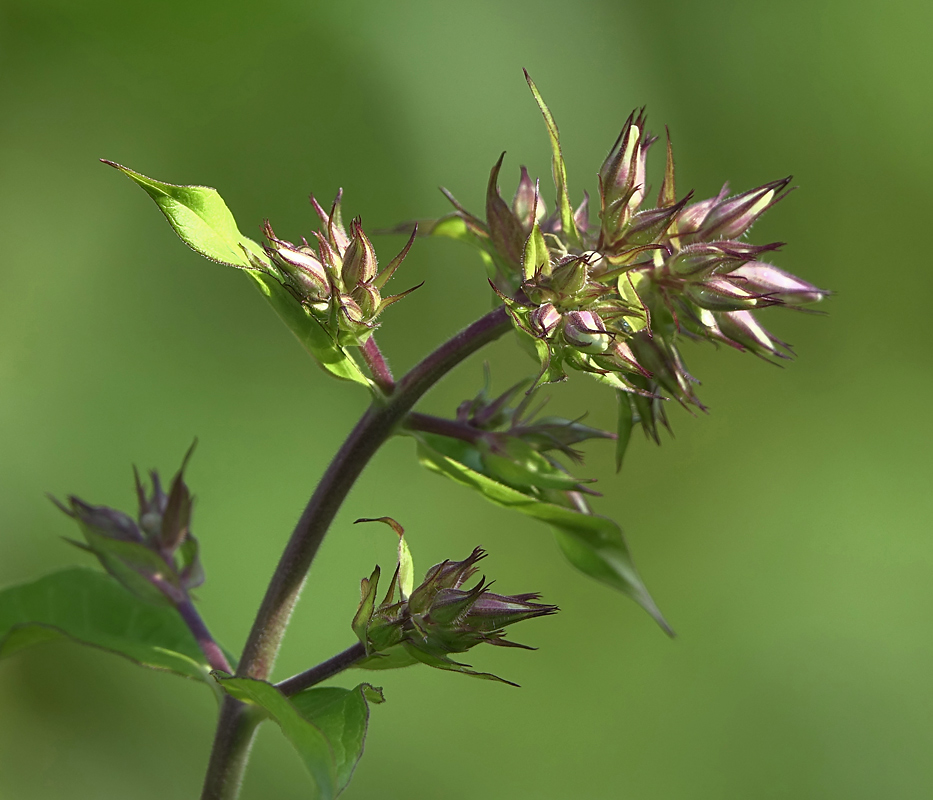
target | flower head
[{"x": 615, "y": 298}]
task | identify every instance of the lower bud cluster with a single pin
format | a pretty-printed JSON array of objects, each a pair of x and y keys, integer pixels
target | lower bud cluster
[
  {"x": 439, "y": 617},
  {"x": 338, "y": 280}
]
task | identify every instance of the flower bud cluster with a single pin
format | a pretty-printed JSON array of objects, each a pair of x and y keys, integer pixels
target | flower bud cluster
[
  {"x": 439, "y": 617},
  {"x": 614, "y": 297},
  {"x": 338, "y": 279},
  {"x": 154, "y": 556}
]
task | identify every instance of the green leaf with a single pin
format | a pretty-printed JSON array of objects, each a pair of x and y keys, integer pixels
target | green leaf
[
  {"x": 593, "y": 544},
  {"x": 91, "y": 608},
  {"x": 200, "y": 217},
  {"x": 406, "y": 568},
  {"x": 202, "y": 220},
  {"x": 624, "y": 426},
  {"x": 326, "y": 726},
  {"x": 309, "y": 331},
  {"x": 568, "y": 224}
]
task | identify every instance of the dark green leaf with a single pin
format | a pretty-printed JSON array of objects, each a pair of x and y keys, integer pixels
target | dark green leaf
[
  {"x": 93, "y": 609},
  {"x": 624, "y": 427},
  {"x": 326, "y": 726},
  {"x": 593, "y": 544}
]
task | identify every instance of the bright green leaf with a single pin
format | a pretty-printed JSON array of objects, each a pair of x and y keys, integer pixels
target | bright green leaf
[
  {"x": 200, "y": 217},
  {"x": 91, "y": 608},
  {"x": 326, "y": 726},
  {"x": 406, "y": 568},
  {"x": 535, "y": 258},
  {"x": 593, "y": 544},
  {"x": 311, "y": 333}
]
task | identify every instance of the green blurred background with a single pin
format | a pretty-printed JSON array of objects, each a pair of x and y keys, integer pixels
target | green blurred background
[{"x": 785, "y": 535}]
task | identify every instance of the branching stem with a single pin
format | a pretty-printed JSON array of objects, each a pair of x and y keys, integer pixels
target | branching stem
[
  {"x": 323, "y": 671},
  {"x": 373, "y": 429}
]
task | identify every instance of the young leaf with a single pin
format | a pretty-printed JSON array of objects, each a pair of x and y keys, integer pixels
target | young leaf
[
  {"x": 325, "y": 726},
  {"x": 91, "y": 608},
  {"x": 200, "y": 217},
  {"x": 593, "y": 544}
]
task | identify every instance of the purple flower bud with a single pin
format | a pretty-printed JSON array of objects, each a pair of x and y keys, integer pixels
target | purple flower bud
[
  {"x": 527, "y": 207},
  {"x": 585, "y": 331},
  {"x": 761, "y": 278},
  {"x": 302, "y": 270},
  {"x": 743, "y": 329},
  {"x": 359, "y": 260},
  {"x": 721, "y": 294},
  {"x": 731, "y": 218},
  {"x": 368, "y": 299},
  {"x": 543, "y": 320}
]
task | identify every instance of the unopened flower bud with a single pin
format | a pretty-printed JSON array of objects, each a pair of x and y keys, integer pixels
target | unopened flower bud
[
  {"x": 300, "y": 267},
  {"x": 367, "y": 297},
  {"x": 359, "y": 260},
  {"x": 585, "y": 331},
  {"x": 733, "y": 217},
  {"x": 776, "y": 283},
  {"x": 543, "y": 320},
  {"x": 523, "y": 204},
  {"x": 569, "y": 276}
]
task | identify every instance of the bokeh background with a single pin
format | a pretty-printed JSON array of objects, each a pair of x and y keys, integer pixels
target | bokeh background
[{"x": 786, "y": 535}]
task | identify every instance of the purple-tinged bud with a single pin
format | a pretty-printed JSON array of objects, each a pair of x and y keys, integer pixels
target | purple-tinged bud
[
  {"x": 359, "y": 260},
  {"x": 302, "y": 270},
  {"x": 623, "y": 172},
  {"x": 691, "y": 219},
  {"x": 720, "y": 294},
  {"x": 527, "y": 207},
  {"x": 350, "y": 311},
  {"x": 731, "y": 218},
  {"x": 742, "y": 328},
  {"x": 706, "y": 258},
  {"x": 569, "y": 276},
  {"x": 368, "y": 300},
  {"x": 647, "y": 226},
  {"x": 581, "y": 217},
  {"x": 543, "y": 320},
  {"x": 762, "y": 278},
  {"x": 107, "y": 522},
  {"x": 585, "y": 331}
]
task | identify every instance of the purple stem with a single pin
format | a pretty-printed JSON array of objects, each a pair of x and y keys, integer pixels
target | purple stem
[
  {"x": 445, "y": 427},
  {"x": 323, "y": 671},
  {"x": 215, "y": 656},
  {"x": 378, "y": 366},
  {"x": 235, "y": 726}
]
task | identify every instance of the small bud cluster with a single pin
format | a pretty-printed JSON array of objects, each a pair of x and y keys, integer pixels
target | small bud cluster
[
  {"x": 439, "y": 617},
  {"x": 339, "y": 280},
  {"x": 612, "y": 298},
  {"x": 155, "y": 556}
]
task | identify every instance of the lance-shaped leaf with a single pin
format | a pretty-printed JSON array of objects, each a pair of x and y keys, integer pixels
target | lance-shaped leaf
[
  {"x": 626, "y": 420},
  {"x": 567, "y": 222},
  {"x": 593, "y": 544},
  {"x": 202, "y": 220},
  {"x": 327, "y": 727},
  {"x": 91, "y": 608},
  {"x": 200, "y": 217}
]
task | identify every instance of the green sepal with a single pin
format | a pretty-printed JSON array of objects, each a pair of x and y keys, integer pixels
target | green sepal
[
  {"x": 525, "y": 467},
  {"x": 326, "y": 726},
  {"x": 567, "y": 222},
  {"x": 91, "y": 608},
  {"x": 626, "y": 420},
  {"x": 536, "y": 259},
  {"x": 364, "y": 614},
  {"x": 445, "y": 663},
  {"x": 593, "y": 544}
]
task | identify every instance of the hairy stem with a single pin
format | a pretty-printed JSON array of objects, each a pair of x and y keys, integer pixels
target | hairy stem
[
  {"x": 215, "y": 656},
  {"x": 378, "y": 366},
  {"x": 373, "y": 429},
  {"x": 445, "y": 427},
  {"x": 323, "y": 671},
  {"x": 236, "y": 728}
]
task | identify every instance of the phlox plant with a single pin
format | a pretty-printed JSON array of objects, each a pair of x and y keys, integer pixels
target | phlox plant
[{"x": 609, "y": 287}]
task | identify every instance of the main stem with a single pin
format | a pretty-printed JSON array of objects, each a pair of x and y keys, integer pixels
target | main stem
[{"x": 234, "y": 730}]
